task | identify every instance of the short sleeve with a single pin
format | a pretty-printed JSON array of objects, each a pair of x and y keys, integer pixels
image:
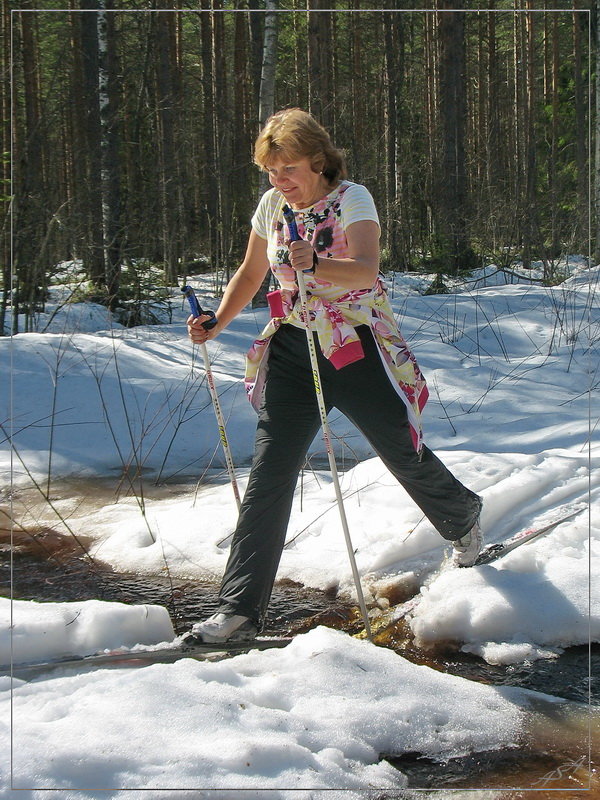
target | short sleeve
[
  {"x": 263, "y": 215},
  {"x": 357, "y": 205}
]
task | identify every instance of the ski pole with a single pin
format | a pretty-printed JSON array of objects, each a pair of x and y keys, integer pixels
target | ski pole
[
  {"x": 294, "y": 235},
  {"x": 210, "y": 323}
]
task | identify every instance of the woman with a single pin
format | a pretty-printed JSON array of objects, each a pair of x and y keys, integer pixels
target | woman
[{"x": 366, "y": 368}]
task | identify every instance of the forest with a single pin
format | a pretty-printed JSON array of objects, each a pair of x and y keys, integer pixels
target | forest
[{"x": 128, "y": 133}]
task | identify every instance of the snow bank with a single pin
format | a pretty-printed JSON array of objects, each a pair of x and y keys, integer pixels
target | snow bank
[
  {"x": 508, "y": 603},
  {"x": 41, "y": 631},
  {"x": 510, "y": 370},
  {"x": 315, "y": 715},
  {"x": 530, "y": 610}
]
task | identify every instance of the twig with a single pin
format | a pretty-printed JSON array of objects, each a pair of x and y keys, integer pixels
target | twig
[{"x": 50, "y": 503}]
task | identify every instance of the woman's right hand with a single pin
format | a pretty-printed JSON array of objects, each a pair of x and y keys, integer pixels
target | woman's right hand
[
  {"x": 197, "y": 332},
  {"x": 239, "y": 291}
]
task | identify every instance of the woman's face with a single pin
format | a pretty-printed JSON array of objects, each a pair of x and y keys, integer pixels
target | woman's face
[{"x": 297, "y": 181}]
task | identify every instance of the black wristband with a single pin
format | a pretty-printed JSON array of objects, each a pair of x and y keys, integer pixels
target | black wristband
[{"x": 315, "y": 264}]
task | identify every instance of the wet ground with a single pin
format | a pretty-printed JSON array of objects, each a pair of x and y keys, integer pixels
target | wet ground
[
  {"x": 293, "y": 608},
  {"x": 47, "y": 569},
  {"x": 46, "y": 566}
]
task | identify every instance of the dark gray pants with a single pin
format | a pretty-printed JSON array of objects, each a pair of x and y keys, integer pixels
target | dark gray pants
[{"x": 288, "y": 422}]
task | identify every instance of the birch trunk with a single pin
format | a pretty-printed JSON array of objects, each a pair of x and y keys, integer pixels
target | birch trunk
[
  {"x": 109, "y": 151},
  {"x": 266, "y": 103},
  {"x": 5, "y": 146},
  {"x": 94, "y": 255}
]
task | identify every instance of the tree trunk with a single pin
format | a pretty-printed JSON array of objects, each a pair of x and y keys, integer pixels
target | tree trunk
[
  {"x": 493, "y": 171},
  {"x": 266, "y": 104},
  {"x": 241, "y": 175},
  {"x": 209, "y": 175},
  {"x": 109, "y": 150},
  {"x": 223, "y": 154},
  {"x": 266, "y": 108},
  {"x": 530, "y": 221},
  {"x": 5, "y": 146},
  {"x": 597, "y": 132},
  {"x": 394, "y": 64},
  {"x": 29, "y": 202},
  {"x": 167, "y": 115},
  {"x": 357, "y": 95},
  {"x": 552, "y": 101},
  {"x": 453, "y": 237},
  {"x": 581, "y": 129},
  {"x": 519, "y": 128},
  {"x": 256, "y": 22},
  {"x": 431, "y": 114},
  {"x": 320, "y": 66},
  {"x": 94, "y": 255},
  {"x": 77, "y": 145}
]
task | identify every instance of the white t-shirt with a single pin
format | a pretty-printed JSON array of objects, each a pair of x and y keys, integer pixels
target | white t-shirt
[{"x": 323, "y": 224}]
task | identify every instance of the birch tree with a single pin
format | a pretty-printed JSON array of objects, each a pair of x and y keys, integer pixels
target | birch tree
[
  {"x": 466, "y": 127},
  {"x": 110, "y": 184},
  {"x": 266, "y": 101},
  {"x": 93, "y": 255},
  {"x": 5, "y": 147}
]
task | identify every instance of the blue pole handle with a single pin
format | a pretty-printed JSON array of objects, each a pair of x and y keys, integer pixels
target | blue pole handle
[
  {"x": 196, "y": 308},
  {"x": 290, "y": 219}
]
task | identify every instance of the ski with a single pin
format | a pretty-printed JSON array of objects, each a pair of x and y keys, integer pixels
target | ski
[
  {"x": 489, "y": 554},
  {"x": 144, "y": 657},
  {"x": 494, "y": 551}
]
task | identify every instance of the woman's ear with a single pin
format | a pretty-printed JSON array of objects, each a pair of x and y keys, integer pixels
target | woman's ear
[{"x": 318, "y": 164}]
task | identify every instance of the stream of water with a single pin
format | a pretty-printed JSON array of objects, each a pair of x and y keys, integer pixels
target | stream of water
[{"x": 558, "y": 748}]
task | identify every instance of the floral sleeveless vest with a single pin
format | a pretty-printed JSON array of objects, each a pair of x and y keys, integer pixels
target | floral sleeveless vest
[{"x": 334, "y": 311}]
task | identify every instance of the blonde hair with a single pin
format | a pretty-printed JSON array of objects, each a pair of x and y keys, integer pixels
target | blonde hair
[{"x": 293, "y": 133}]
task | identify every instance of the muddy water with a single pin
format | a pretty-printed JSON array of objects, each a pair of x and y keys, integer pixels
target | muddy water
[
  {"x": 45, "y": 565},
  {"x": 48, "y": 564},
  {"x": 293, "y": 608},
  {"x": 558, "y": 751}
]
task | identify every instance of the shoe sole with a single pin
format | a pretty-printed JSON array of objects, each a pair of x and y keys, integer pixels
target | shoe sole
[
  {"x": 236, "y": 636},
  {"x": 464, "y": 564}
]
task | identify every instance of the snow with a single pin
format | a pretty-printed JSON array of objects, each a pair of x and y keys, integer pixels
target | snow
[
  {"x": 263, "y": 720},
  {"x": 512, "y": 368},
  {"x": 42, "y": 631}
]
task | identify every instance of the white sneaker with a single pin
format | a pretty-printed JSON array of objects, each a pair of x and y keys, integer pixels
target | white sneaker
[
  {"x": 224, "y": 628},
  {"x": 467, "y": 548}
]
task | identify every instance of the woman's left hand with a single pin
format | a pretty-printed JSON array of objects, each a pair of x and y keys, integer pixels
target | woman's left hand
[
  {"x": 196, "y": 330},
  {"x": 301, "y": 255}
]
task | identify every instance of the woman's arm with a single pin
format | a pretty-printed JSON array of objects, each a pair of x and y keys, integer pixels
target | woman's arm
[
  {"x": 239, "y": 292},
  {"x": 358, "y": 271}
]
